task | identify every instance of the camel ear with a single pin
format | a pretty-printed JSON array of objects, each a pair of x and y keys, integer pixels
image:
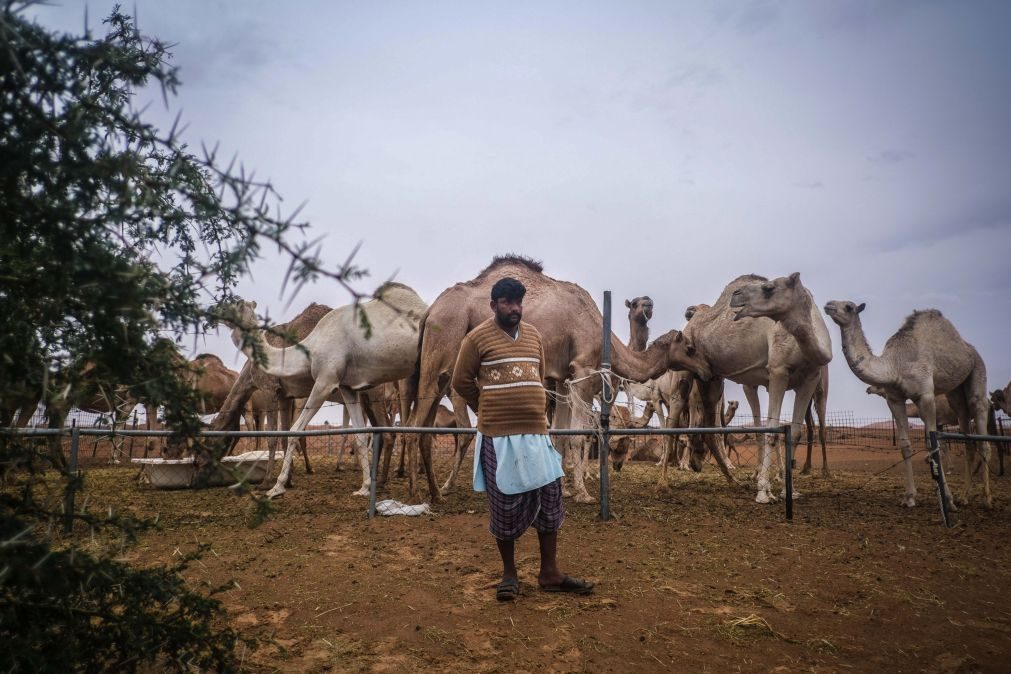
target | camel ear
[
  {"x": 628, "y": 304},
  {"x": 678, "y": 336},
  {"x": 861, "y": 307},
  {"x": 791, "y": 281}
]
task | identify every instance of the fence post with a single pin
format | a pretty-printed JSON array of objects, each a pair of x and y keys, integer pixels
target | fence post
[
  {"x": 377, "y": 448},
  {"x": 605, "y": 409},
  {"x": 68, "y": 503},
  {"x": 788, "y": 477},
  {"x": 1001, "y": 449},
  {"x": 937, "y": 472},
  {"x": 132, "y": 428},
  {"x": 329, "y": 438}
]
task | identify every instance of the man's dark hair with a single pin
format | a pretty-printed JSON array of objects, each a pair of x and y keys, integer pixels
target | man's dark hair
[{"x": 509, "y": 288}]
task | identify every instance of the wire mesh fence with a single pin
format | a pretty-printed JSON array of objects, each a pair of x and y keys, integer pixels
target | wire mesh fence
[{"x": 848, "y": 438}]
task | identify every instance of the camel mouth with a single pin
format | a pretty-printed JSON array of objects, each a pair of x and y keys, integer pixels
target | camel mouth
[{"x": 740, "y": 314}]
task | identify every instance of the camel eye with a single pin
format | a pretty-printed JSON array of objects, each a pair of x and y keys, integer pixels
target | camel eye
[
  {"x": 767, "y": 289},
  {"x": 849, "y": 308}
]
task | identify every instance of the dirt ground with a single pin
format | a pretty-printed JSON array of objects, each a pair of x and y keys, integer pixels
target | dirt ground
[{"x": 691, "y": 577}]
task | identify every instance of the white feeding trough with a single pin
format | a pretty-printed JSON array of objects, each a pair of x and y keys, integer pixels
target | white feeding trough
[{"x": 182, "y": 473}]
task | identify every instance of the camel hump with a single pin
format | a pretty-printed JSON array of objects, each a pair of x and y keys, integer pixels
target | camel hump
[
  {"x": 917, "y": 316},
  {"x": 208, "y": 356},
  {"x": 749, "y": 278},
  {"x": 512, "y": 259}
]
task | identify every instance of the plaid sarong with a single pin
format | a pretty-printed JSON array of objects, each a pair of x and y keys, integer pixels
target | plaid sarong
[{"x": 511, "y": 514}]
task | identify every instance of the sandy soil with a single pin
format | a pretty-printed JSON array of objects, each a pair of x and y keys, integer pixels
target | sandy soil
[{"x": 690, "y": 577}]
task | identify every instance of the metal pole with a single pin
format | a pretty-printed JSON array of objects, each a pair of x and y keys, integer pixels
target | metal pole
[
  {"x": 893, "y": 431},
  {"x": 788, "y": 442},
  {"x": 937, "y": 472},
  {"x": 68, "y": 504},
  {"x": 377, "y": 448},
  {"x": 1001, "y": 449},
  {"x": 133, "y": 427},
  {"x": 605, "y": 409},
  {"x": 329, "y": 439}
]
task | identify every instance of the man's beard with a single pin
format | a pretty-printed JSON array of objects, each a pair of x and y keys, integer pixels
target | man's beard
[{"x": 510, "y": 320}]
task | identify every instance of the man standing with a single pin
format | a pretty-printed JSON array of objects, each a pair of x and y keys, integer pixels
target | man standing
[{"x": 500, "y": 373}]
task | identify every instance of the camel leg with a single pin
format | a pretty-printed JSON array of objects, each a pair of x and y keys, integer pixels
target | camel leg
[
  {"x": 928, "y": 412},
  {"x": 461, "y": 442},
  {"x": 711, "y": 397},
  {"x": 769, "y": 447},
  {"x": 755, "y": 405},
  {"x": 356, "y": 413},
  {"x": 561, "y": 419},
  {"x": 898, "y": 409},
  {"x": 820, "y": 407},
  {"x": 423, "y": 417},
  {"x": 809, "y": 424},
  {"x": 977, "y": 410},
  {"x": 801, "y": 407},
  {"x": 580, "y": 396},
  {"x": 320, "y": 391}
]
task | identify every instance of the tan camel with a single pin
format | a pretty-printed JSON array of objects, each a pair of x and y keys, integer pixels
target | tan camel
[
  {"x": 777, "y": 339},
  {"x": 338, "y": 355},
  {"x": 571, "y": 326},
  {"x": 926, "y": 358},
  {"x": 819, "y": 405}
]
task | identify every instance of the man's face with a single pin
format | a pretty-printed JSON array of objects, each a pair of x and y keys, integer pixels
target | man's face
[{"x": 507, "y": 312}]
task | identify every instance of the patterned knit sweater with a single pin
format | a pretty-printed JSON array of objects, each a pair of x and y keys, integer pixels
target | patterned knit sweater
[{"x": 502, "y": 379}]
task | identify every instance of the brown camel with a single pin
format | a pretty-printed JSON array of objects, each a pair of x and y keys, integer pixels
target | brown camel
[
  {"x": 571, "y": 326},
  {"x": 1002, "y": 398},
  {"x": 776, "y": 339},
  {"x": 926, "y": 358}
]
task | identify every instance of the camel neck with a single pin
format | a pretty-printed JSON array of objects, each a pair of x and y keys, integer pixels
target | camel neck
[
  {"x": 807, "y": 327},
  {"x": 638, "y": 335},
  {"x": 278, "y": 362},
  {"x": 866, "y": 366},
  {"x": 638, "y": 366}
]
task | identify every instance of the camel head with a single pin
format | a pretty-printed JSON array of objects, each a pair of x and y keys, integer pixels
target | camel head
[
  {"x": 732, "y": 408},
  {"x": 682, "y": 355},
  {"x": 843, "y": 312},
  {"x": 999, "y": 400},
  {"x": 773, "y": 299},
  {"x": 619, "y": 451},
  {"x": 873, "y": 389},
  {"x": 694, "y": 309},
  {"x": 640, "y": 309},
  {"x": 239, "y": 314}
]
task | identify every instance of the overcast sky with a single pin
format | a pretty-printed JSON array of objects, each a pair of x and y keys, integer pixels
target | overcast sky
[{"x": 646, "y": 148}]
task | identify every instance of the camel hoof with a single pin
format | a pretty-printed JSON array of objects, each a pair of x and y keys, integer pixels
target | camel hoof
[
  {"x": 827, "y": 474},
  {"x": 908, "y": 501},
  {"x": 276, "y": 492},
  {"x": 364, "y": 491},
  {"x": 585, "y": 498},
  {"x": 796, "y": 494},
  {"x": 764, "y": 497}
]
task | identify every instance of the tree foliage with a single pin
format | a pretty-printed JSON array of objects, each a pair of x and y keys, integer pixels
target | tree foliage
[{"x": 116, "y": 241}]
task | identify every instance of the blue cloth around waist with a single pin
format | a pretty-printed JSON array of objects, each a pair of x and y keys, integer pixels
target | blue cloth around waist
[{"x": 525, "y": 462}]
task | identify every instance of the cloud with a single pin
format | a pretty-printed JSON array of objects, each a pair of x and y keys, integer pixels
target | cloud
[
  {"x": 890, "y": 156},
  {"x": 812, "y": 185}
]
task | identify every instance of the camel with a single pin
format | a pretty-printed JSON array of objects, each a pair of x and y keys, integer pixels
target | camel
[
  {"x": 926, "y": 358},
  {"x": 944, "y": 414},
  {"x": 1002, "y": 398},
  {"x": 571, "y": 326},
  {"x": 776, "y": 339},
  {"x": 252, "y": 379},
  {"x": 338, "y": 355}
]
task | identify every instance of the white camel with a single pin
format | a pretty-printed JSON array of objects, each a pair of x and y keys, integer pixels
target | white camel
[{"x": 339, "y": 355}]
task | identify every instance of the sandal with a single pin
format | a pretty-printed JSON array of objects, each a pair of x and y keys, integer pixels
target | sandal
[
  {"x": 570, "y": 585},
  {"x": 507, "y": 590}
]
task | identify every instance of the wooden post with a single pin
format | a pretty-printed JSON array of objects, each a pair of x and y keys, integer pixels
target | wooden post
[{"x": 605, "y": 409}]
